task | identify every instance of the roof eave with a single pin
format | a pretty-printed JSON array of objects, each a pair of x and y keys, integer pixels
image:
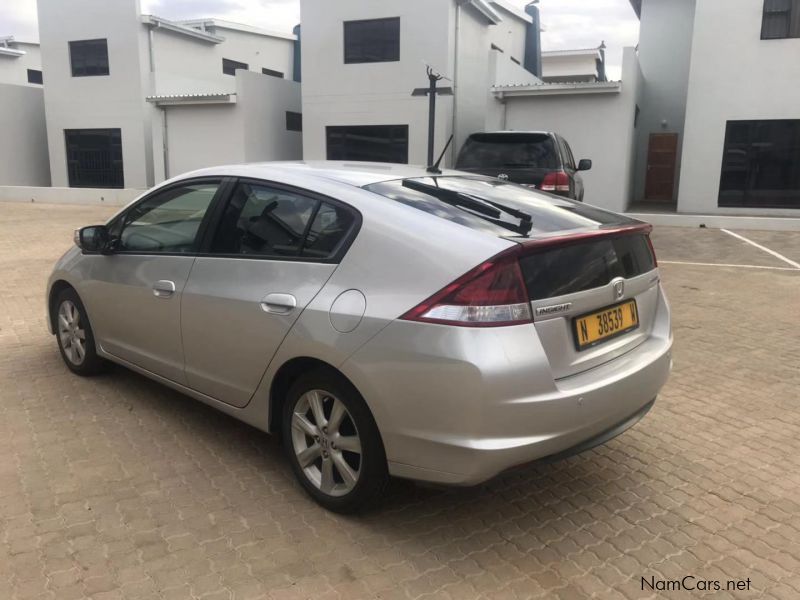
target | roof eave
[
  {"x": 191, "y": 99},
  {"x": 637, "y": 7},
  {"x": 10, "y": 52},
  {"x": 556, "y": 89},
  {"x": 159, "y": 23},
  {"x": 486, "y": 10}
]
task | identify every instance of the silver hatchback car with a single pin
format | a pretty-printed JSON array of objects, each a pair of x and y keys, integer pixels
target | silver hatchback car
[{"x": 383, "y": 319}]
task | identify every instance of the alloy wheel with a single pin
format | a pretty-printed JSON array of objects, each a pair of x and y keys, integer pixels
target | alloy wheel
[
  {"x": 71, "y": 332},
  {"x": 326, "y": 443}
]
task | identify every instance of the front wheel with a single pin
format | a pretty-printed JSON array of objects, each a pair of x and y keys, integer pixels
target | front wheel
[
  {"x": 75, "y": 336},
  {"x": 333, "y": 443}
]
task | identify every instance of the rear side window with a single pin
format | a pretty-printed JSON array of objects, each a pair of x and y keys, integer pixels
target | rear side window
[
  {"x": 502, "y": 150},
  {"x": 271, "y": 222},
  {"x": 585, "y": 266}
]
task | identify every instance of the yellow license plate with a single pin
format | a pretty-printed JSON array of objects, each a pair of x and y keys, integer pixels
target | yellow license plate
[{"x": 600, "y": 326}]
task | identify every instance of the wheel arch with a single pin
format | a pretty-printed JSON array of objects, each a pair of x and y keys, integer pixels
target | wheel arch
[{"x": 56, "y": 288}]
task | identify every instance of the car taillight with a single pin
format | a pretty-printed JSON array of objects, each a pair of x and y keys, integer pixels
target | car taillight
[
  {"x": 652, "y": 250},
  {"x": 555, "y": 181},
  {"x": 492, "y": 294}
]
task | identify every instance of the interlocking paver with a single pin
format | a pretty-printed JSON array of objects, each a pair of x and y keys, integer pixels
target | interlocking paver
[{"x": 116, "y": 487}]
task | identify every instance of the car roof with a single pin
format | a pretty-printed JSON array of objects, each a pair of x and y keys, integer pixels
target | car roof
[{"x": 354, "y": 173}]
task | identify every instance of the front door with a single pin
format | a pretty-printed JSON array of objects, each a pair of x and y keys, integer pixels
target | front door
[
  {"x": 136, "y": 290},
  {"x": 662, "y": 157},
  {"x": 272, "y": 252}
]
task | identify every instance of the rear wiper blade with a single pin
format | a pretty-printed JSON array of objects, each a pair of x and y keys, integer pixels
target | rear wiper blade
[
  {"x": 453, "y": 198},
  {"x": 490, "y": 210}
]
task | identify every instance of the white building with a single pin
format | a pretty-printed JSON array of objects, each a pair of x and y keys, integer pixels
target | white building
[
  {"x": 363, "y": 59},
  {"x": 116, "y": 78},
  {"x": 23, "y": 137},
  {"x": 567, "y": 66},
  {"x": 719, "y": 128}
]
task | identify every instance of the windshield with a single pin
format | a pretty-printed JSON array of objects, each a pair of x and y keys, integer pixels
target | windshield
[
  {"x": 493, "y": 206},
  {"x": 518, "y": 150}
]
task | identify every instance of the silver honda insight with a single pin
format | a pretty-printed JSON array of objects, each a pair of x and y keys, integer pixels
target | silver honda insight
[{"x": 383, "y": 319}]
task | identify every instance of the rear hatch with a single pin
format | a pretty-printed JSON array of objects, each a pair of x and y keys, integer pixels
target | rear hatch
[
  {"x": 523, "y": 158},
  {"x": 590, "y": 274},
  {"x": 594, "y": 298}
]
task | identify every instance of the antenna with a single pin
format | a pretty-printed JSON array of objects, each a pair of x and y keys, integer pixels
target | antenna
[{"x": 434, "y": 168}]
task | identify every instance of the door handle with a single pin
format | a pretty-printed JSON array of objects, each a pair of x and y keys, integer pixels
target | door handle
[
  {"x": 279, "y": 304},
  {"x": 163, "y": 288}
]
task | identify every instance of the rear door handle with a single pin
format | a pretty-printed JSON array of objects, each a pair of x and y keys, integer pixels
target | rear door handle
[
  {"x": 164, "y": 288},
  {"x": 279, "y": 304}
]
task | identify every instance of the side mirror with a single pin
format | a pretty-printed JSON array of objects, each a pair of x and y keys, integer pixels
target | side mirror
[
  {"x": 94, "y": 238},
  {"x": 584, "y": 164}
]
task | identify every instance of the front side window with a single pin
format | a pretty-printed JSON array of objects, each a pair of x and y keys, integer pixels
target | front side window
[
  {"x": 89, "y": 58},
  {"x": 94, "y": 158},
  {"x": 167, "y": 221},
  {"x": 781, "y": 19},
  {"x": 372, "y": 40},
  {"x": 261, "y": 220},
  {"x": 761, "y": 164},
  {"x": 229, "y": 67},
  {"x": 381, "y": 143}
]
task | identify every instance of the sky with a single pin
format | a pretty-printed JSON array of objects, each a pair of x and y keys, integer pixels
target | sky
[{"x": 568, "y": 24}]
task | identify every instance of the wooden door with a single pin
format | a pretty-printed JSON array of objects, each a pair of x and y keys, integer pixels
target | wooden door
[{"x": 662, "y": 155}]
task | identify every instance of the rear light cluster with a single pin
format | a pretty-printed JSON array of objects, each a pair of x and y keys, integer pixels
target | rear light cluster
[
  {"x": 494, "y": 294},
  {"x": 555, "y": 181},
  {"x": 490, "y": 295}
]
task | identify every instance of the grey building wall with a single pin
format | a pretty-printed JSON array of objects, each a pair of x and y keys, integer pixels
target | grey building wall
[
  {"x": 23, "y": 136},
  {"x": 665, "y": 50}
]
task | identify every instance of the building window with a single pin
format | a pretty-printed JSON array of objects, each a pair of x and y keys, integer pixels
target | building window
[
  {"x": 34, "y": 76},
  {"x": 229, "y": 66},
  {"x": 373, "y": 40},
  {"x": 94, "y": 157},
  {"x": 89, "y": 58},
  {"x": 294, "y": 121},
  {"x": 381, "y": 143},
  {"x": 761, "y": 164},
  {"x": 781, "y": 19},
  {"x": 272, "y": 73}
]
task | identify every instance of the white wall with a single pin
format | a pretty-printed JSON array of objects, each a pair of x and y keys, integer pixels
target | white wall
[
  {"x": 665, "y": 48},
  {"x": 596, "y": 126},
  {"x": 185, "y": 65},
  {"x": 734, "y": 75},
  {"x": 114, "y": 101},
  {"x": 251, "y": 130},
  {"x": 569, "y": 67},
  {"x": 335, "y": 93},
  {"x": 23, "y": 136},
  {"x": 14, "y": 69},
  {"x": 509, "y": 35}
]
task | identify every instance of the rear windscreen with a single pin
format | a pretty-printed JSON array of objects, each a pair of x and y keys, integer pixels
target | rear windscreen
[
  {"x": 587, "y": 265},
  {"x": 521, "y": 151}
]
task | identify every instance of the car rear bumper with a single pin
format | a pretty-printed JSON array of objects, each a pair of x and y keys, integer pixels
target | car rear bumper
[{"x": 460, "y": 405}]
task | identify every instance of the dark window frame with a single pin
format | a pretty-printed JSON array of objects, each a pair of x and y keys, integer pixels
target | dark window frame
[
  {"x": 791, "y": 14},
  {"x": 272, "y": 73},
  {"x": 341, "y": 128},
  {"x": 230, "y": 66},
  {"x": 294, "y": 121},
  {"x": 37, "y": 76},
  {"x": 353, "y": 48},
  {"x": 746, "y": 154},
  {"x": 79, "y": 56},
  {"x": 111, "y": 132}
]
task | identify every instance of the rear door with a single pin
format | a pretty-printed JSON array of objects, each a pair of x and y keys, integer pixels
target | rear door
[
  {"x": 523, "y": 158},
  {"x": 271, "y": 251},
  {"x": 592, "y": 300}
]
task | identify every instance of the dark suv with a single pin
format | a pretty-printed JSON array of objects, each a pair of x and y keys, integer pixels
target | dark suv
[{"x": 537, "y": 159}]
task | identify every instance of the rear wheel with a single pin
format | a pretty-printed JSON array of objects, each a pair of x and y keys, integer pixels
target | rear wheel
[
  {"x": 333, "y": 443},
  {"x": 75, "y": 336}
]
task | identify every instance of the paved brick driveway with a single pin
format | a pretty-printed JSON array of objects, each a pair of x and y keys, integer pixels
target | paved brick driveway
[{"x": 116, "y": 487}]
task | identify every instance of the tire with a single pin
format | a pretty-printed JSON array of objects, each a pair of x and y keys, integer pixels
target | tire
[
  {"x": 75, "y": 336},
  {"x": 332, "y": 454}
]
